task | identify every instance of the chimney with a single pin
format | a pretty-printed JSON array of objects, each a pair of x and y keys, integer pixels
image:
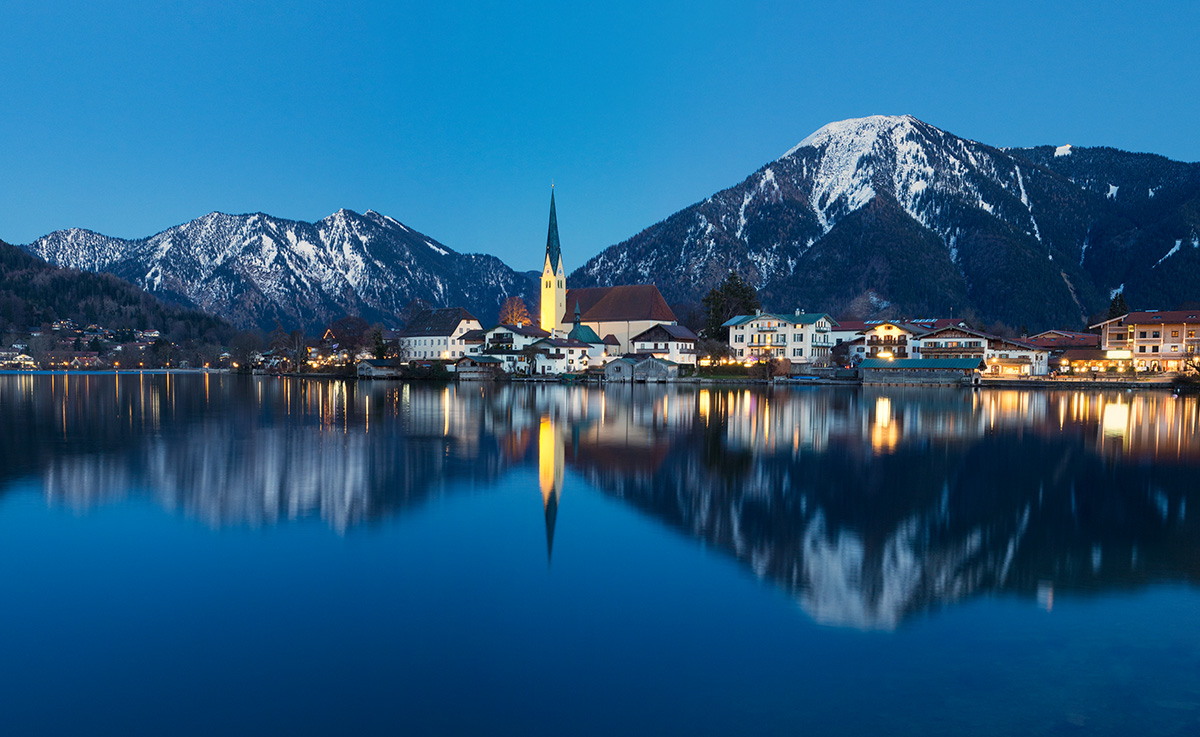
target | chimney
[{"x": 757, "y": 313}]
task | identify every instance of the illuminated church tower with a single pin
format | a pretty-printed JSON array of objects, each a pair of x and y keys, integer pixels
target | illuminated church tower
[
  {"x": 550, "y": 476},
  {"x": 554, "y": 279}
]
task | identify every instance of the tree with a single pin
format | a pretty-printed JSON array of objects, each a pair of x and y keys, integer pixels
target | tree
[
  {"x": 352, "y": 333},
  {"x": 515, "y": 312},
  {"x": 297, "y": 346},
  {"x": 379, "y": 346},
  {"x": 1117, "y": 307},
  {"x": 732, "y": 297}
]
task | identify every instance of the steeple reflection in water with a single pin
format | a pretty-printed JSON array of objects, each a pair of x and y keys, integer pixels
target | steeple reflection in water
[{"x": 867, "y": 506}]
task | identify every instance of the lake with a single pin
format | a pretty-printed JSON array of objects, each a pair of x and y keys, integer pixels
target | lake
[{"x": 216, "y": 554}]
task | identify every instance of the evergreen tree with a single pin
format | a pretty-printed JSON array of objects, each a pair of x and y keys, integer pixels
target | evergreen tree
[
  {"x": 1117, "y": 307},
  {"x": 732, "y": 297}
]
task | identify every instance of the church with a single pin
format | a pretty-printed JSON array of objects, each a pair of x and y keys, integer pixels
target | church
[{"x": 616, "y": 314}]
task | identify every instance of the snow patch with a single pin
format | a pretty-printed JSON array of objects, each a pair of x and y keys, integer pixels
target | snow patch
[
  {"x": 1112, "y": 293},
  {"x": 1112, "y": 191},
  {"x": 439, "y": 250},
  {"x": 1152, "y": 191},
  {"x": 1063, "y": 150},
  {"x": 1174, "y": 250}
]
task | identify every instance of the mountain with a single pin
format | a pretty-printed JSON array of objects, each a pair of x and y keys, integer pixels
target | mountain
[
  {"x": 257, "y": 270},
  {"x": 890, "y": 216},
  {"x": 33, "y": 293}
]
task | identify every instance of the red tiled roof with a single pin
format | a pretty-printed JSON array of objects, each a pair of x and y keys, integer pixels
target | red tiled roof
[
  {"x": 1160, "y": 317},
  {"x": 1055, "y": 339},
  {"x": 613, "y": 304}
]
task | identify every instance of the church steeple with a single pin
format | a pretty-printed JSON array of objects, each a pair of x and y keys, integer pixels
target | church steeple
[
  {"x": 553, "y": 249},
  {"x": 554, "y": 278}
]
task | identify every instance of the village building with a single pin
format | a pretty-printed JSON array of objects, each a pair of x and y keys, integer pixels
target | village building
[
  {"x": 801, "y": 337},
  {"x": 375, "y": 368},
  {"x": 1078, "y": 361},
  {"x": 560, "y": 356},
  {"x": 479, "y": 368},
  {"x": 846, "y": 331},
  {"x": 437, "y": 334},
  {"x": 891, "y": 339},
  {"x": 1155, "y": 340},
  {"x": 1061, "y": 340},
  {"x": 614, "y": 314},
  {"x": 674, "y": 343},
  {"x": 502, "y": 338},
  {"x": 1004, "y": 357},
  {"x": 619, "y": 369},
  {"x": 655, "y": 370},
  {"x": 922, "y": 370}
]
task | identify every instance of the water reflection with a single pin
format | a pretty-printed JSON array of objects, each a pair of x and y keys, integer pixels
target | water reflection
[{"x": 867, "y": 506}]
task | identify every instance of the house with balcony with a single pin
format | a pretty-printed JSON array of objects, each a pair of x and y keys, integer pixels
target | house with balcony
[
  {"x": 850, "y": 330},
  {"x": 1154, "y": 340},
  {"x": 801, "y": 337},
  {"x": 674, "y": 343},
  {"x": 887, "y": 339},
  {"x": 1004, "y": 357}
]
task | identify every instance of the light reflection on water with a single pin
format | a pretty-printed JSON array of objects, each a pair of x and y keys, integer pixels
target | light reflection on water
[{"x": 868, "y": 508}]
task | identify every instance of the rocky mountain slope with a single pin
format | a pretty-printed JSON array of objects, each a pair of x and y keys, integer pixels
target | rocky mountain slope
[
  {"x": 257, "y": 270},
  {"x": 890, "y": 216}
]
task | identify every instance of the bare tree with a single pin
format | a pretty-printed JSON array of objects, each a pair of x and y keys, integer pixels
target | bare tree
[{"x": 515, "y": 312}]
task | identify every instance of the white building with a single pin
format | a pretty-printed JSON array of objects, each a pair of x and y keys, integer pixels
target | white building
[
  {"x": 801, "y": 337},
  {"x": 674, "y": 343},
  {"x": 437, "y": 334}
]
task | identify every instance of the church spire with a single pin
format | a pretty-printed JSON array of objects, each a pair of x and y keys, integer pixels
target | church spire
[{"x": 553, "y": 250}]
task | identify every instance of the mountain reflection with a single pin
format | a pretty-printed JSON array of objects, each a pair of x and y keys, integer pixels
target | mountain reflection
[{"x": 867, "y": 506}]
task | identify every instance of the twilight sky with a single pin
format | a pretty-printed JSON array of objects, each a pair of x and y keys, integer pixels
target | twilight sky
[{"x": 130, "y": 117}]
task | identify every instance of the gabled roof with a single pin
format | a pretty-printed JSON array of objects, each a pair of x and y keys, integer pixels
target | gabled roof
[
  {"x": 473, "y": 336},
  {"x": 614, "y": 304},
  {"x": 440, "y": 321},
  {"x": 1150, "y": 317},
  {"x": 529, "y": 331},
  {"x": 667, "y": 332},
  {"x": 1054, "y": 339},
  {"x": 799, "y": 318},
  {"x": 562, "y": 343},
  {"x": 611, "y": 339},
  {"x": 924, "y": 363}
]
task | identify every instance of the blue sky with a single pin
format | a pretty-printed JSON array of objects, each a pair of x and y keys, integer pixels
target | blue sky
[{"x": 130, "y": 117}]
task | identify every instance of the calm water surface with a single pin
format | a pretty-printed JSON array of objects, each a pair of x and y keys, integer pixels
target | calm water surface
[{"x": 233, "y": 555}]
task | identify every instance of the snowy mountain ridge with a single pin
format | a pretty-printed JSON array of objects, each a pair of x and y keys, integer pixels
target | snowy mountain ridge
[
  {"x": 257, "y": 270},
  {"x": 891, "y": 211}
]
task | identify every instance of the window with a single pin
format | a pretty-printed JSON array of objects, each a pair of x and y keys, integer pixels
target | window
[
  {"x": 1118, "y": 336},
  {"x": 1141, "y": 333},
  {"x": 1174, "y": 333},
  {"x": 798, "y": 338},
  {"x": 1154, "y": 349},
  {"x": 1191, "y": 333},
  {"x": 797, "y": 351},
  {"x": 1156, "y": 334},
  {"x": 1141, "y": 349},
  {"x": 739, "y": 338}
]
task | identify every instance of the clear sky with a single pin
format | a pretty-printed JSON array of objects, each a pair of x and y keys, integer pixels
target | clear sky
[{"x": 129, "y": 117}]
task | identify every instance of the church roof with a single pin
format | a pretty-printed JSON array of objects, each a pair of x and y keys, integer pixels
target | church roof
[
  {"x": 553, "y": 249},
  {"x": 585, "y": 334},
  {"x": 612, "y": 304}
]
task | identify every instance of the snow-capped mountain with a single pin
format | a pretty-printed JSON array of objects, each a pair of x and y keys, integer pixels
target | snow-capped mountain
[
  {"x": 890, "y": 214},
  {"x": 257, "y": 270}
]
